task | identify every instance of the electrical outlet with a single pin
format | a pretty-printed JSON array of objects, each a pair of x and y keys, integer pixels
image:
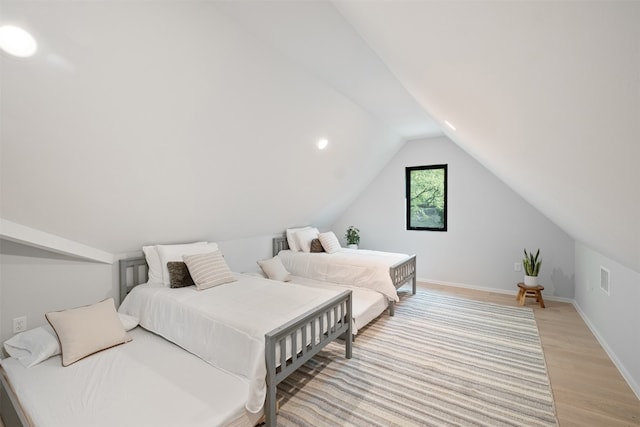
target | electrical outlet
[
  {"x": 19, "y": 324},
  {"x": 517, "y": 266}
]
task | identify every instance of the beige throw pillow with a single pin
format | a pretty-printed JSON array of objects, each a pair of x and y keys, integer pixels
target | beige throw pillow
[
  {"x": 84, "y": 331},
  {"x": 208, "y": 270},
  {"x": 329, "y": 241},
  {"x": 274, "y": 269}
]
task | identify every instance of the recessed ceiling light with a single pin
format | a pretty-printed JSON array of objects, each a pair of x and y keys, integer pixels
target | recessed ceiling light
[
  {"x": 322, "y": 144},
  {"x": 446, "y": 122},
  {"x": 17, "y": 42}
]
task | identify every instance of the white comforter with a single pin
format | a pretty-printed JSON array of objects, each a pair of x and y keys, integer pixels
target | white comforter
[
  {"x": 363, "y": 268},
  {"x": 225, "y": 325}
]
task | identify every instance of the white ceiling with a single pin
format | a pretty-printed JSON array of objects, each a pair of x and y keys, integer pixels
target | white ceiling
[{"x": 210, "y": 112}]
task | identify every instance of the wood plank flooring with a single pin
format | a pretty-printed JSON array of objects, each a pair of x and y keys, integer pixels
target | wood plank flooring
[{"x": 587, "y": 387}]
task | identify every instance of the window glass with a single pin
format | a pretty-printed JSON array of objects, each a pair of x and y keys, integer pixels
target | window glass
[{"x": 426, "y": 197}]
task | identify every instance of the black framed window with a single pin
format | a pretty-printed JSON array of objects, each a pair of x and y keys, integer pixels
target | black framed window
[{"x": 426, "y": 197}]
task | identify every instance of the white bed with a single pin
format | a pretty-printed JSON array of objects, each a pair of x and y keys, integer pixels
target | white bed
[
  {"x": 226, "y": 325},
  {"x": 146, "y": 382},
  {"x": 383, "y": 272}
]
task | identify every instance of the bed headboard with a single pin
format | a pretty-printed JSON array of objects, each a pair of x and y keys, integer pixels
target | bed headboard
[
  {"x": 130, "y": 276},
  {"x": 279, "y": 244}
]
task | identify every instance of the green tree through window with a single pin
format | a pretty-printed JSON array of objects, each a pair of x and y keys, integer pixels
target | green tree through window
[{"x": 426, "y": 197}]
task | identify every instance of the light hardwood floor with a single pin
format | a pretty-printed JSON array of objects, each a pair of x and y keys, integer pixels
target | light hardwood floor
[{"x": 587, "y": 387}]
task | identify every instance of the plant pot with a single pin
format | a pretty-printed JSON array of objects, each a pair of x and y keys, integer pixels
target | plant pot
[
  {"x": 531, "y": 280},
  {"x": 352, "y": 246}
]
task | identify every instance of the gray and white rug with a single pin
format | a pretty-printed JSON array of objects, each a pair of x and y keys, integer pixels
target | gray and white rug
[{"x": 440, "y": 361}]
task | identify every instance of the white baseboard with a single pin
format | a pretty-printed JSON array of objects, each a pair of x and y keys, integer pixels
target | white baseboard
[
  {"x": 623, "y": 371},
  {"x": 513, "y": 291}
]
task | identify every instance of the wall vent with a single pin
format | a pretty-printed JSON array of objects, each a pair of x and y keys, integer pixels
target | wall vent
[{"x": 605, "y": 276}]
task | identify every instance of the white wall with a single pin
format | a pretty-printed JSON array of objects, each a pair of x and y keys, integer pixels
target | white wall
[
  {"x": 488, "y": 225},
  {"x": 34, "y": 282},
  {"x": 180, "y": 125},
  {"x": 614, "y": 319}
]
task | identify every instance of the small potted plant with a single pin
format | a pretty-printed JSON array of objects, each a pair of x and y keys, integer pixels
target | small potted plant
[
  {"x": 531, "y": 265},
  {"x": 353, "y": 237}
]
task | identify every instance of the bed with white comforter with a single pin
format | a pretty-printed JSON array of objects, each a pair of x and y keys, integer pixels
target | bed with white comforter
[
  {"x": 353, "y": 267},
  {"x": 226, "y": 325}
]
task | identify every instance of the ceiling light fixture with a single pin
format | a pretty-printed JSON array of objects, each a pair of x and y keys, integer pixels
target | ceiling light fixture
[
  {"x": 17, "y": 42},
  {"x": 446, "y": 122},
  {"x": 322, "y": 144}
]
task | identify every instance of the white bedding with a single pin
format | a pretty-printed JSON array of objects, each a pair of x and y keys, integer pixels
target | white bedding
[
  {"x": 366, "y": 303},
  {"x": 225, "y": 325},
  {"x": 355, "y": 267},
  {"x": 146, "y": 382}
]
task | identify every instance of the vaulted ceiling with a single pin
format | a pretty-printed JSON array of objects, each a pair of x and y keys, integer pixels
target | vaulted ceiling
[{"x": 141, "y": 122}]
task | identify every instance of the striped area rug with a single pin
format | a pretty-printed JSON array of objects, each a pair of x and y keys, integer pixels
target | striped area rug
[{"x": 440, "y": 361}]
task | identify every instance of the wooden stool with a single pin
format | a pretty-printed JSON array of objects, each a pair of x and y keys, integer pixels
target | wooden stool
[{"x": 531, "y": 292}]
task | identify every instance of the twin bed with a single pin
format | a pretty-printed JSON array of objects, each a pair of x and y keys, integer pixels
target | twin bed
[
  {"x": 241, "y": 340},
  {"x": 382, "y": 272}
]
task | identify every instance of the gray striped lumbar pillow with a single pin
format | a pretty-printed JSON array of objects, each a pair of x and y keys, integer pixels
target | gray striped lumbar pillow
[{"x": 208, "y": 270}]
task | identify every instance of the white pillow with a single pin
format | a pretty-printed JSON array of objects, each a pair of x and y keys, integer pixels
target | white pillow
[
  {"x": 304, "y": 238},
  {"x": 38, "y": 344},
  {"x": 174, "y": 253},
  {"x": 33, "y": 346},
  {"x": 329, "y": 242},
  {"x": 84, "y": 331},
  {"x": 128, "y": 322},
  {"x": 291, "y": 240},
  {"x": 155, "y": 265},
  {"x": 208, "y": 269},
  {"x": 274, "y": 269}
]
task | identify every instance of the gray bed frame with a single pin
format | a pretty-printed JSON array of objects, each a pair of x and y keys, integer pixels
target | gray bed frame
[
  {"x": 310, "y": 325},
  {"x": 400, "y": 273}
]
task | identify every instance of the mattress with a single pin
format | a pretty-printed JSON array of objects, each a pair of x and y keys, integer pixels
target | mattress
[
  {"x": 146, "y": 382},
  {"x": 367, "y": 304},
  {"x": 361, "y": 268},
  {"x": 226, "y": 325}
]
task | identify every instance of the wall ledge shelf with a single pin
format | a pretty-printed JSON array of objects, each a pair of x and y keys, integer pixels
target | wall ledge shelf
[{"x": 39, "y": 239}]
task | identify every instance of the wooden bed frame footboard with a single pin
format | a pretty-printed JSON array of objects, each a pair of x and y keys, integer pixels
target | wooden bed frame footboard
[
  {"x": 317, "y": 328},
  {"x": 400, "y": 273}
]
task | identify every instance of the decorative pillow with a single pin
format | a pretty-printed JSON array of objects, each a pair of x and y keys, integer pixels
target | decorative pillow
[
  {"x": 208, "y": 270},
  {"x": 179, "y": 276},
  {"x": 291, "y": 239},
  {"x": 152, "y": 256},
  {"x": 304, "y": 238},
  {"x": 84, "y": 331},
  {"x": 316, "y": 246},
  {"x": 169, "y": 253},
  {"x": 329, "y": 241},
  {"x": 38, "y": 344},
  {"x": 274, "y": 269}
]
